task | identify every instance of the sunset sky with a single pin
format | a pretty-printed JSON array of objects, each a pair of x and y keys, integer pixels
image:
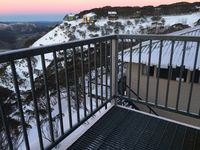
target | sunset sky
[{"x": 56, "y": 8}]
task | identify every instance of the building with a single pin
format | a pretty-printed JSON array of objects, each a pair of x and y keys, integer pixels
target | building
[
  {"x": 112, "y": 15},
  {"x": 89, "y": 18},
  {"x": 69, "y": 17},
  {"x": 187, "y": 72}
]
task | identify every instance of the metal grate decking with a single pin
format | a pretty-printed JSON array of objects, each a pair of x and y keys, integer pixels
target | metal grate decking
[{"x": 124, "y": 129}]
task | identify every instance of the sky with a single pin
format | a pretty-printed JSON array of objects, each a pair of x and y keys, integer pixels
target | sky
[{"x": 54, "y": 10}]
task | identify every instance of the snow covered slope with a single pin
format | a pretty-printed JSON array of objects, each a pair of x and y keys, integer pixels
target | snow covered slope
[
  {"x": 76, "y": 30},
  {"x": 65, "y": 30}
]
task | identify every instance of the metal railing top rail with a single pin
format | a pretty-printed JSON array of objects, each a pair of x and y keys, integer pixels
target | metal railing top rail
[
  {"x": 34, "y": 51},
  {"x": 76, "y": 67},
  {"x": 110, "y": 54},
  {"x": 160, "y": 37}
]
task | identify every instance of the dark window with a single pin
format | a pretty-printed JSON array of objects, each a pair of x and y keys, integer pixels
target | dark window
[
  {"x": 164, "y": 73},
  {"x": 196, "y": 76},
  {"x": 146, "y": 69},
  {"x": 176, "y": 74}
]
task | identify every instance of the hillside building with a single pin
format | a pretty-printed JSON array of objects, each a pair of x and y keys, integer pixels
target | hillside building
[
  {"x": 165, "y": 70},
  {"x": 112, "y": 15},
  {"x": 89, "y": 18},
  {"x": 70, "y": 17}
]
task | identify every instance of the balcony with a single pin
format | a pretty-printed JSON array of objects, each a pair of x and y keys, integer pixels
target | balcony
[{"x": 135, "y": 81}]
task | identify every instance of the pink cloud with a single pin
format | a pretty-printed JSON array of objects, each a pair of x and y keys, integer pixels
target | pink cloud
[{"x": 61, "y": 6}]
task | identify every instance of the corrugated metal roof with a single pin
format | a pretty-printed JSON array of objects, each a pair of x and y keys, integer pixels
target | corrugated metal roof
[
  {"x": 191, "y": 48},
  {"x": 89, "y": 14},
  {"x": 112, "y": 13}
]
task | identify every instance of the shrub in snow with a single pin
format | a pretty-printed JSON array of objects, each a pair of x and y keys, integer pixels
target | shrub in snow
[
  {"x": 163, "y": 21},
  {"x": 128, "y": 32},
  {"x": 109, "y": 31},
  {"x": 156, "y": 18},
  {"x": 129, "y": 23},
  {"x": 116, "y": 31},
  {"x": 142, "y": 20},
  {"x": 65, "y": 23},
  {"x": 81, "y": 25},
  {"x": 71, "y": 37},
  {"x": 110, "y": 23},
  {"x": 73, "y": 28},
  {"x": 93, "y": 28},
  {"x": 197, "y": 23},
  {"x": 93, "y": 35}
]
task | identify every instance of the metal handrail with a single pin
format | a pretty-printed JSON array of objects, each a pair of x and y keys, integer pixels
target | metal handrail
[{"x": 113, "y": 44}]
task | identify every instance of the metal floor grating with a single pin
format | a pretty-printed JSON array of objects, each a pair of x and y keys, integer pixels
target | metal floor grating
[{"x": 124, "y": 129}]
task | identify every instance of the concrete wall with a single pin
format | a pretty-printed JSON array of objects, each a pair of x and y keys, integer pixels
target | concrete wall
[{"x": 173, "y": 89}]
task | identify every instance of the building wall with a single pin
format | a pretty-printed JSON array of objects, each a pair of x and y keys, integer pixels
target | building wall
[
  {"x": 112, "y": 17},
  {"x": 89, "y": 19},
  {"x": 173, "y": 89}
]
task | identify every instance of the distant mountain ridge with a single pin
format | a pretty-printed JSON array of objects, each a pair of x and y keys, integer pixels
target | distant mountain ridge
[
  {"x": 171, "y": 9},
  {"x": 18, "y": 35}
]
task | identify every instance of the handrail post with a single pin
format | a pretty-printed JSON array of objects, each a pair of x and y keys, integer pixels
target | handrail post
[{"x": 114, "y": 62}]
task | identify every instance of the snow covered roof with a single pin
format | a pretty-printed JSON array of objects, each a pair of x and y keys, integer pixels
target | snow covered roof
[
  {"x": 71, "y": 15},
  {"x": 166, "y": 51},
  {"x": 90, "y": 15},
  {"x": 112, "y": 13}
]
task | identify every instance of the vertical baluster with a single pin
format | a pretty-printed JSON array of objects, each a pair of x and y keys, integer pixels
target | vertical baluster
[
  {"x": 110, "y": 69},
  {"x": 68, "y": 89},
  {"x": 30, "y": 69},
  {"x": 83, "y": 80},
  {"x": 115, "y": 70},
  {"x": 122, "y": 69},
  {"x": 169, "y": 74},
  {"x": 193, "y": 75},
  {"x": 90, "y": 78},
  {"x": 5, "y": 124},
  {"x": 58, "y": 91},
  {"x": 148, "y": 71},
  {"x": 20, "y": 106},
  {"x": 75, "y": 83},
  {"x": 181, "y": 74},
  {"x": 158, "y": 72},
  {"x": 106, "y": 70},
  {"x": 47, "y": 98},
  {"x": 139, "y": 70},
  {"x": 130, "y": 68},
  {"x": 96, "y": 74},
  {"x": 101, "y": 65}
]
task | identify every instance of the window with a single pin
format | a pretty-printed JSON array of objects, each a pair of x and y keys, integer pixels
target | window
[
  {"x": 176, "y": 74},
  {"x": 196, "y": 76},
  {"x": 146, "y": 70},
  {"x": 164, "y": 73}
]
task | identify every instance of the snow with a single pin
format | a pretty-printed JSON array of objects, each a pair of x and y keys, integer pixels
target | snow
[
  {"x": 184, "y": 19},
  {"x": 61, "y": 37},
  {"x": 32, "y": 133},
  {"x": 90, "y": 15},
  {"x": 71, "y": 15},
  {"x": 166, "y": 52}
]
